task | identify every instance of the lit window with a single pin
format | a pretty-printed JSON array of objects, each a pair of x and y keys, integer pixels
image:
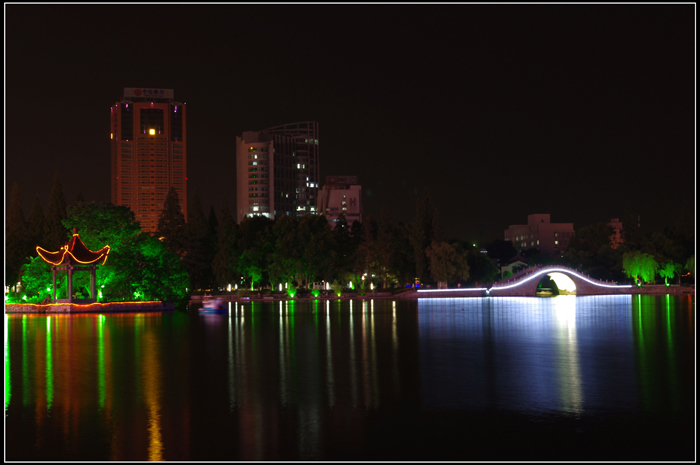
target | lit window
[{"x": 556, "y": 242}]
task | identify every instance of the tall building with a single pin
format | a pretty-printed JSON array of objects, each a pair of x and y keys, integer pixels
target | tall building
[
  {"x": 341, "y": 195},
  {"x": 277, "y": 171},
  {"x": 149, "y": 152},
  {"x": 541, "y": 234}
]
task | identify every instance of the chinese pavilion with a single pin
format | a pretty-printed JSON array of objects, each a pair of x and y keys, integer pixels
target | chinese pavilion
[{"x": 72, "y": 257}]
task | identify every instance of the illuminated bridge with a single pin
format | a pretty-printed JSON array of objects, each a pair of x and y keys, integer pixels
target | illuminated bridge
[{"x": 526, "y": 283}]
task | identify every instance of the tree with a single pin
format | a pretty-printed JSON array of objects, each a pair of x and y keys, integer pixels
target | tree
[
  {"x": 481, "y": 267},
  {"x": 501, "y": 250},
  {"x": 139, "y": 266},
  {"x": 35, "y": 223},
  {"x": 171, "y": 224},
  {"x": 403, "y": 258},
  {"x": 55, "y": 234},
  {"x": 17, "y": 245},
  {"x": 425, "y": 231},
  {"x": 446, "y": 263},
  {"x": 385, "y": 245},
  {"x": 253, "y": 243},
  {"x": 639, "y": 265},
  {"x": 223, "y": 263},
  {"x": 199, "y": 254},
  {"x": 669, "y": 269},
  {"x": 690, "y": 266}
]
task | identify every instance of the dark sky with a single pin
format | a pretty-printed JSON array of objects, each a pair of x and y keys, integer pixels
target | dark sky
[{"x": 500, "y": 110}]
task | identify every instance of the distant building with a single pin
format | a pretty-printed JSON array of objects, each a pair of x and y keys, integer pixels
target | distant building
[
  {"x": 277, "y": 171},
  {"x": 539, "y": 233},
  {"x": 341, "y": 194},
  {"x": 616, "y": 238},
  {"x": 148, "y": 152},
  {"x": 514, "y": 265}
]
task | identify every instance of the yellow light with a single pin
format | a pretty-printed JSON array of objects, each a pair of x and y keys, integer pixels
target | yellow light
[
  {"x": 111, "y": 135},
  {"x": 152, "y": 132}
]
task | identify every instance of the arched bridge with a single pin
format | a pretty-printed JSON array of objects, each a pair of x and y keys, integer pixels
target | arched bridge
[{"x": 525, "y": 282}]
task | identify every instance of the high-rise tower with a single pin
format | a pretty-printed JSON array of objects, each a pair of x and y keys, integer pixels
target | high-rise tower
[
  {"x": 277, "y": 171},
  {"x": 149, "y": 152}
]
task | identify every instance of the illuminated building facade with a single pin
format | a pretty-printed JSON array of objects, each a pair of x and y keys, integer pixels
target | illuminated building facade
[
  {"x": 149, "y": 152},
  {"x": 541, "y": 234},
  {"x": 341, "y": 194},
  {"x": 277, "y": 171}
]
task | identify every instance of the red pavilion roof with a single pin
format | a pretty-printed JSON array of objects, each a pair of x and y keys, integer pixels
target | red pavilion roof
[{"x": 74, "y": 253}]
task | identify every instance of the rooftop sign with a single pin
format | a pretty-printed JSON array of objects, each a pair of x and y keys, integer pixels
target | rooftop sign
[{"x": 143, "y": 92}]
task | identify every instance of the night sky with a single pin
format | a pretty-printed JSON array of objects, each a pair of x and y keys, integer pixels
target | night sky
[{"x": 500, "y": 110}]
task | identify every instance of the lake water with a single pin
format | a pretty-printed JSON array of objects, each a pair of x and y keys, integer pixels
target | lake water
[{"x": 563, "y": 378}]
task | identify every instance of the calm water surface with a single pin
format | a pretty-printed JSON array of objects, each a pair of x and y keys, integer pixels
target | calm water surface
[{"x": 564, "y": 378}]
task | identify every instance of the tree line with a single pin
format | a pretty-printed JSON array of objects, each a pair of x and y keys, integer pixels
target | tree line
[{"x": 210, "y": 252}]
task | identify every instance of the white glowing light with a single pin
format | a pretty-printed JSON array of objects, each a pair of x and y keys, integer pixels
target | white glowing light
[
  {"x": 563, "y": 282},
  {"x": 551, "y": 270},
  {"x": 461, "y": 289}
]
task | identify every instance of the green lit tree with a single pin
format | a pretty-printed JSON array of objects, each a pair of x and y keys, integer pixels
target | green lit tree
[
  {"x": 139, "y": 266},
  {"x": 669, "y": 269},
  {"x": 286, "y": 255},
  {"x": 253, "y": 244},
  {"x": 639, "y": 265}
]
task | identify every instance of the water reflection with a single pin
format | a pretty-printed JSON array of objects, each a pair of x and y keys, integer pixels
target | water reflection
[{"x": 291, "y": 380}]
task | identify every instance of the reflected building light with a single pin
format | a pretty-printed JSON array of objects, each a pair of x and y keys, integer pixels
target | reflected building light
[
  {"x": 151, "y": 373},
  {"x": 329, "y": 364},
  {"x": 353, "y": 362},
  {"x": 231, "y": 366}
]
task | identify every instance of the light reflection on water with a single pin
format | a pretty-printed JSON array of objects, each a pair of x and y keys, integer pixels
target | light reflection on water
[{"x": 296, "y": 380}]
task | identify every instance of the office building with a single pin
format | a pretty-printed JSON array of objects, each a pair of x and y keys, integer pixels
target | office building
[
  {"x": 541, "y": 234},
  {"x": 277, "y": 171},
  {"x": 149, "y": 152},
  {"x": 341, "y": 195}
]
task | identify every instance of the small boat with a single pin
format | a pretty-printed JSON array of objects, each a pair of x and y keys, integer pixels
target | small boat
[{"x": 213, "y": 305}]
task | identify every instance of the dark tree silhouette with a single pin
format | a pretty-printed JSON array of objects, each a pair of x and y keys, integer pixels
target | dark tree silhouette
[
  {"x": 55, "y": 234},
  {"x": 171, "y": 224},
  {"x": 16, "y": 238}
]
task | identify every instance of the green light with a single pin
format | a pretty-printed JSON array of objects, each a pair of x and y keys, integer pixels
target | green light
[
  {"x": 291, "y": 292},
  {"x": 101, "y": 360},
  {"x": 25, "y": 362},
  {"x": 8, "y": 390},
  {"x": 315, "y": 292},
  {"x": 49, "y": 366}
]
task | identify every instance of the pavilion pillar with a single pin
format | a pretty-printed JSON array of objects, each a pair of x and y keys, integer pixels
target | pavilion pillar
[
  {"x": 93, "y": 294},
  {"x": 53, "y": 295},
  {"x": 70, "y": 283}
]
